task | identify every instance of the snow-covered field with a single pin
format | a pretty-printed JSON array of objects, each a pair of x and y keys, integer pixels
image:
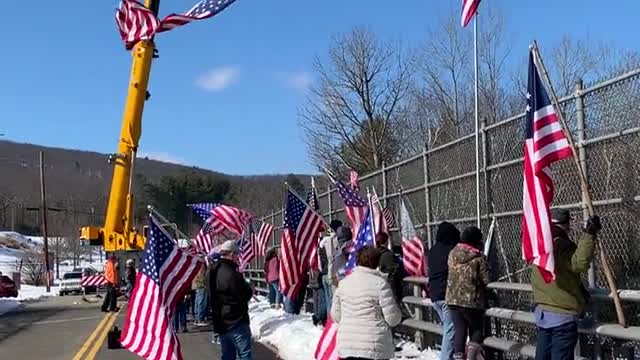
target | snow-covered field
[
  {"x": 26, "y": 293},
  {"x": 295, "y": 337}
]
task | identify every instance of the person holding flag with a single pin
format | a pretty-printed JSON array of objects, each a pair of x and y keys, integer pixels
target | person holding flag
[{"x": 362, "y": 296}]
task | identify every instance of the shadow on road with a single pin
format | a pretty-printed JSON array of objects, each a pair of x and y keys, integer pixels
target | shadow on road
[{"x": 13, "y": 323}]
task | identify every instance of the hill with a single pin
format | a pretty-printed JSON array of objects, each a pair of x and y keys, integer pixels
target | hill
[{"x": 78, "y": 182}]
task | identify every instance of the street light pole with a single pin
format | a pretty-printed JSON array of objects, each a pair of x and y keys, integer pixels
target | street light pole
[{"x": 43, "y": 203}]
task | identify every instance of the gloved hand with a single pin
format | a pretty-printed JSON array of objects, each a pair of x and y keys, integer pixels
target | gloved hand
[{"x": 593, "y": 225}]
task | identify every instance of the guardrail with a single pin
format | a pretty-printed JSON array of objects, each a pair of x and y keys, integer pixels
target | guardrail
[
  {"x": 418, "y": 323},
  {"x": 422, "y": 326}
]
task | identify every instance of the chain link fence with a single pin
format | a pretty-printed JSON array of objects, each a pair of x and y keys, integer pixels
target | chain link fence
[{"x": 440, "y": 184}]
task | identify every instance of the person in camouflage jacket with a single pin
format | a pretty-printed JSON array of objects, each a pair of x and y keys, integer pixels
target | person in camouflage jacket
[{"x": 466, "y": 292}]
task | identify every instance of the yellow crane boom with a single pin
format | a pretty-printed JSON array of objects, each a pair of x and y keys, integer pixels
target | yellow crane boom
[{"x": 118, "y": 233}]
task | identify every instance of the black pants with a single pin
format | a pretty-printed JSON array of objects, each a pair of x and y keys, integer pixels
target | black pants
[
  {"x": 466, "y": 321},
  {"x": 557, "y": 343},
  {"x": 110, "y": 299}
]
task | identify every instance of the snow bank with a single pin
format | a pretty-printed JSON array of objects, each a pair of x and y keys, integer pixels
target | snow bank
[
  {"x": 26, "y": 293},
  {"x": 295, "y": 337}
]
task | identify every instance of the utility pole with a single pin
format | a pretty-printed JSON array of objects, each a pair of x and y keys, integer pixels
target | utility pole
[{"x": 43, "y": 202}]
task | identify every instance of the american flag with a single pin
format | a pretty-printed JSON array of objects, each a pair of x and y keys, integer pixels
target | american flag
[
  {"x": 166, "y": 274},
  {"x": 355, "y": 205},
  {"x": 380, "y": 221},
  {"x": 469, "y": 8},
  {"x": 231, "y": 218},
  {"x": 247, "y": 246},
  {"x": 136, "y": 22},
  {"x": 353, "y": 180},
  {"x": 545, "y": 143},
  {"x": 412, "y": 247},
  {"x": 262, "y": 237},
  {"x": 388, "y": 217},
  {"x": 365, "y": 236},
  {"x": 200, "y": 11},
  {"x": 301, "y": 227},
  {"x": 312, "y": 200},
  {"x": 326, "y": 348},
  {"x": 204, "y": 239}
]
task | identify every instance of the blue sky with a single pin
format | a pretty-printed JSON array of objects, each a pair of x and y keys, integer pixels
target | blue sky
[{"x": 226, "y": 91}]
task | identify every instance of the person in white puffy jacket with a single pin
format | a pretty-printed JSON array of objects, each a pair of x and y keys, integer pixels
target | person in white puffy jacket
[{"x": 365, "y": 310}]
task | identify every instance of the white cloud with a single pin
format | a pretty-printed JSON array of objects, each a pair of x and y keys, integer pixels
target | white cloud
[
  {"x": 164, "y": 157},
  {"x": 299, "y": 80},
  {"x": 218, "y": 79}
]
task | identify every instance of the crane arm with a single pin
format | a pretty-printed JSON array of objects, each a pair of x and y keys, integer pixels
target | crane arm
[{"x": 118, "y": 233}]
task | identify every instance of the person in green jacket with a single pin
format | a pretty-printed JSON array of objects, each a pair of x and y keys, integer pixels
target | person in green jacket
[{"x": 560, "y": 302}]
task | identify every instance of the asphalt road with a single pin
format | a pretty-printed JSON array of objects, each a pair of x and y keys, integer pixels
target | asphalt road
[{"x": 68, "y": 328}]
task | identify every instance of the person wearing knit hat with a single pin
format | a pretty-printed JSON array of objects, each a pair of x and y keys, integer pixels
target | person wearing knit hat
[{"x": 466, "y": 293}]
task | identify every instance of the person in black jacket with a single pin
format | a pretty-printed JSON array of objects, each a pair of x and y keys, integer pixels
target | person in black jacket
[
  {"x": 447, "y": 237},
  {"x": 390, "y": 265},
  {"x": 230, "y": 295}
]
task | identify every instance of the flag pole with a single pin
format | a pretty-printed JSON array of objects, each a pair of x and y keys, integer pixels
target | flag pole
[
  {"x": 584, "y": 183},
  {"x": 477, "y": 119},
  {"x": 373, "y": 218}
]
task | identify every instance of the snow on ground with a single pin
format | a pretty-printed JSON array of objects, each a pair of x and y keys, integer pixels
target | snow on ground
[
  {"x": 295, "y": 337},
  {"x": 26, "y": 293}
]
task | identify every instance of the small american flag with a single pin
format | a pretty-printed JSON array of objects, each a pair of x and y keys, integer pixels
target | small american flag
[
  {"x": 355, "y": 205},
  {"x": 136, "y": 22},
  {"x": 380, "y": 222},
  {"x": 545, "y": 143},
  {"x": 262, "y": 237},
  {"x": 388, "y": 217},
  {"x": 469, "y": 9},
  {"x": 312, "y": 254},
  {"x": 204, "y": 239},
  {"x": 166, "y": 274},
  {"x": 353, "y": 180},
  {"x": 247, "y": 246},
  {"x": 301, "y": 227},
  {"x": 412, "y": 247}
]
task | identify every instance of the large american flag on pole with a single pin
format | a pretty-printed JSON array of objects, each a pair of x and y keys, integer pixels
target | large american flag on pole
[
  {"x": 301, "y": 227},
  {"x": 311, "y": 254},
  {"x": 326, "y": 348},
  {"x": 232, "y": 218},
  {"x": 204, "y": 239},
  {"x": 412, "y": 247},
  {"x": 167, "y": 272},
  {"x": 136, "y": 22},
  {"x": 355, "y": 205},
  {"x": 545, "y": 143},
  {"x": 469, "y": 9}
]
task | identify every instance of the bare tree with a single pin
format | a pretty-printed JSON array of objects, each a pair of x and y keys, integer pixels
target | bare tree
[
  {"x": 33, "y": 267},
  {"x": 354, "y": 111}
]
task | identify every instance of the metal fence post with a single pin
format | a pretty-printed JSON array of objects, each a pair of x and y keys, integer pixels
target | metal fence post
[
  {"x": 582, "y": 155},
  {"x": 273, "y": 223},
  {"x": 384, "y": 185},
  {"x": 427, "y": 203},
  {"x": 329, "y": 202}
]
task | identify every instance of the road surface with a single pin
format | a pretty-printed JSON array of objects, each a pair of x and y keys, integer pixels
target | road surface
[{"x": 68, "y": 328}]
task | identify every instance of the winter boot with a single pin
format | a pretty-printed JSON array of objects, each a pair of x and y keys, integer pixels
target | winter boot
[{"x": 474, "y": 351}]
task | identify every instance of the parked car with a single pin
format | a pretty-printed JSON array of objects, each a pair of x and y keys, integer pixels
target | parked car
[
  {"x": 8, "y": 288},
  {"x": 70, "y": 283}
]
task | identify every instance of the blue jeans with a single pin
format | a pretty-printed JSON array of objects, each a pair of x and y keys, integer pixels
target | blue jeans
[
  {"x": 236, "y": 342},
  {"x": 275, "y": 296},
  {"x": 448, "y": 330},
  {"x": 557, "y": 343},
  {"x": 328, "y": 292},
  {"x": 180, "y": 316},
  {"x": 201, "y": 304},
  {"x": 289, "y": 305}
]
